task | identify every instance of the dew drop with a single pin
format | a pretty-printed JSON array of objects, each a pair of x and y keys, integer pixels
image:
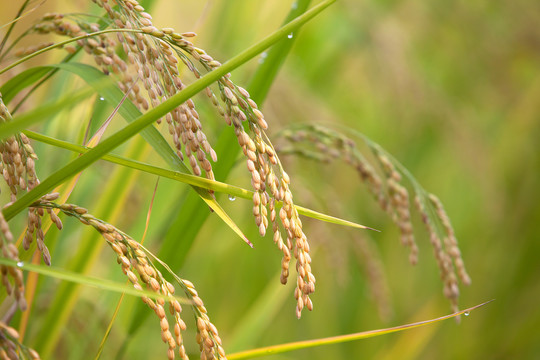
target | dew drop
[
  {"x": 466, "y": 313},
  {"x": 263, "y": 56},
  {"x": 232, "y": 197},
  {"x": 20, "y": 264},
  {"x": 101, "y": 98},
  {"x": 290, "y": 35},
  {"x": 294, "y": 5}
]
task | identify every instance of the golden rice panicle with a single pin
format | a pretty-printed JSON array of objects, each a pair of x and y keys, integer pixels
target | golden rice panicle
[
  {"x": 18, "y": 169},
  {"x": 142, "y": 273},
  {"x": 399, "y": 202},
  {"x": 270, "y": 183},
  {"x": 150, "y": 73},
  {"x": 267, "y": 176},
  {"x": 11, "y": 348},
  {"x": 444, "y": 261},
  {"x": 209, "y": 341},
  {"x": 391, "y": 196},
  {"x": 153, "y": 57},
  {"x": 12, "y": 277},
  {"x": 17, "y": 162},
  {"x": 318, "y": 143},
  {"x": 154, "y": 54},
  {"x": 323, "y": 144}
]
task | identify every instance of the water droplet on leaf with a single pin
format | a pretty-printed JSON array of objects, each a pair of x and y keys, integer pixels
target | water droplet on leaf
[
  {"x": 263, "y": 56},
  {"x": 290, "y": 36},
  {"x": 466, "y": 313},
  {"x": 232, "y": 197},
  {"x": 101, "y": 98},
  {"x": 20, "y": 264}
]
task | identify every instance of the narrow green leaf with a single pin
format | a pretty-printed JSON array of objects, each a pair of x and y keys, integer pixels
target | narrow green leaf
[
  {"x": 21, "y": 81},
  {"x": 187, "y": 179},
  {"x": 276, "y": 349}
]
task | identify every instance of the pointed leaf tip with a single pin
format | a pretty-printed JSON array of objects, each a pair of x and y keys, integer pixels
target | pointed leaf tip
[{"x": 368, "y": 228}]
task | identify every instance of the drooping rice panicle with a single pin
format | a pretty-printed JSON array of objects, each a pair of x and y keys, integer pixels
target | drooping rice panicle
[
  {"x": 320, "y": 143},
  {"x": 141, "y": 271},
  {"x": 18, "y": 168}
]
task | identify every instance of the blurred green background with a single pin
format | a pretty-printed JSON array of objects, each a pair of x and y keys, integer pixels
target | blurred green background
[{"x": 451, "y": 89}]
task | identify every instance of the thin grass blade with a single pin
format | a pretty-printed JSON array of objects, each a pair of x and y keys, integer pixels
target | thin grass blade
[{"x": 276, "y": 349}]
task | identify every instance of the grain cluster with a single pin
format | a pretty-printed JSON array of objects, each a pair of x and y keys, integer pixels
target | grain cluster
[
  {"x": 137, "y": 264},
  {"x": 384, "y": 178}
]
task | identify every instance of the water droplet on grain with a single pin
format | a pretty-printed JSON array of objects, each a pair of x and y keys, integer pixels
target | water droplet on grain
[
  {"x": 20, "y": 264},
  {"x": 101, "y": 98},
  {"x": 290, "y": 35},
  {"x": 232, "y": 197},
  {"x": 466, "y": 313}
]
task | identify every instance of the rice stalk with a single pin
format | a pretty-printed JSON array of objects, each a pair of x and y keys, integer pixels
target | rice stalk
[
  {"x": 148, "y": 63},
  {"x": 153, "y": 55}
]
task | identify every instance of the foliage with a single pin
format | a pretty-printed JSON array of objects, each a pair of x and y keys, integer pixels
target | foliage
[{"x": 386, "y": 77}]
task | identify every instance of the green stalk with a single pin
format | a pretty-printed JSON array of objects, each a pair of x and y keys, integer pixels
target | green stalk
[{"x": 186, "y": 178}]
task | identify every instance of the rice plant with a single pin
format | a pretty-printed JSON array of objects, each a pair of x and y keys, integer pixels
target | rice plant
[{"x": 78, "y": 76}]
